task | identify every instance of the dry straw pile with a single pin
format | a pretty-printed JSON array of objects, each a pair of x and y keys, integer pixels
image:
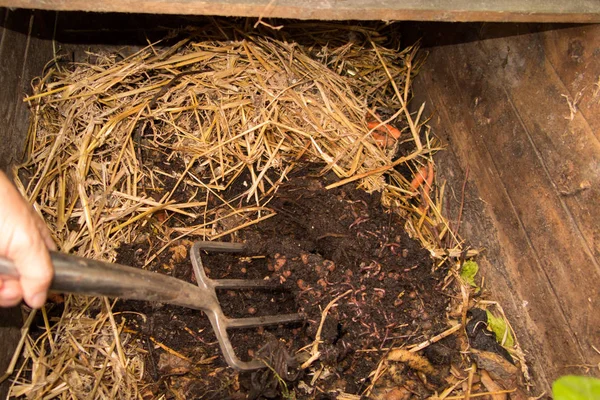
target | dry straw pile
[{"x": 147, "y": 148}]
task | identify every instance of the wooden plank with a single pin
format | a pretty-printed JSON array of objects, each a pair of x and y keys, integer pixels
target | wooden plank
[
  {"x": 499, "y": 269},
  {"x": 13, "y": 47},
  {"x": 534, "y": 143},
  {"x": 495, "y": 101},
  {"x": 23, "y": 55},
  {"x": 574, "y": 56},
  {"x": 431, "y": 10},
  {"x": 568, "y": 146}
]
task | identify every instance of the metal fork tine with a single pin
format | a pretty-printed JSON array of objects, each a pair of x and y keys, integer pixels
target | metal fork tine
[
  {"x": 221, "y": 323},
  {"x": 221, "y": 247},
  {"x": 243, "y": 284},
  {"x": 254, "y": 322}
]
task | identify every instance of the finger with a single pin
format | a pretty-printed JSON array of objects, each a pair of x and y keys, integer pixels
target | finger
[
  {"x": 35, "y": 271},
  {"x": 10, "y": 293},
  {"x": 35, "y": 280}
]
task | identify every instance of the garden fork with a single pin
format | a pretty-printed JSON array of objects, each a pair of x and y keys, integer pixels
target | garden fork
[{"x": 85, "y": 276}]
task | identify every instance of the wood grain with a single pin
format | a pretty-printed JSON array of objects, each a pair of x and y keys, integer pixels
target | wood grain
[
  {"x": 13, "y": 56},
  {"x": 497, "y": 100},
  {"x": 23, "y": 54},
  {"x": 432, "y": 10},
  {"x": 573, "y": 55}
]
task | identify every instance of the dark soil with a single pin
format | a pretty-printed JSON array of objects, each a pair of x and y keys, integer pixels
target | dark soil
[{"x": 320, "y": 245}]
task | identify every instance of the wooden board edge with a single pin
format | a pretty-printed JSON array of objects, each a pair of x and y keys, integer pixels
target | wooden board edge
[{"x": 318, "y": 11}]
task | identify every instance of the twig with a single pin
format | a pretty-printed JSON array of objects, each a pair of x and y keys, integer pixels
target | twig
[
  {"x": 315, "y": 345},
  {"x": 435, "y": 339}
]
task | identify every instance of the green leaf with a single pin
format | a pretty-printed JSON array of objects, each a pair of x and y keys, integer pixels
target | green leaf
[
  {"x": 576, "y": 388},
  {"x": 499, "y": 327},
  {"x": 468, "y": 271}
]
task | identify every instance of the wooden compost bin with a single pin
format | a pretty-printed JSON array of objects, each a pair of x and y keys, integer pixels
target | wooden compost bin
[{"x": 517, "y": 105}]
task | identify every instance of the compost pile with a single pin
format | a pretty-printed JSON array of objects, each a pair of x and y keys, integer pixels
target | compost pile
[{"x": 298, "y": 142}]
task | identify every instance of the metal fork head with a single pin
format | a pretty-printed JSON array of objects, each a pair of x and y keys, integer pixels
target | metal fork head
[{"x": 218, "y": 320}]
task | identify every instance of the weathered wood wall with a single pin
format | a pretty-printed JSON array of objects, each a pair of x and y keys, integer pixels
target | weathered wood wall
[
  {"x": 500, "y": 98},
  {"x": 23, "y": 53}
]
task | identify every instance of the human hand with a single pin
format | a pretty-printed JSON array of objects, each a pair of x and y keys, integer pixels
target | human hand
[{"x": 24, "y": 239}]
